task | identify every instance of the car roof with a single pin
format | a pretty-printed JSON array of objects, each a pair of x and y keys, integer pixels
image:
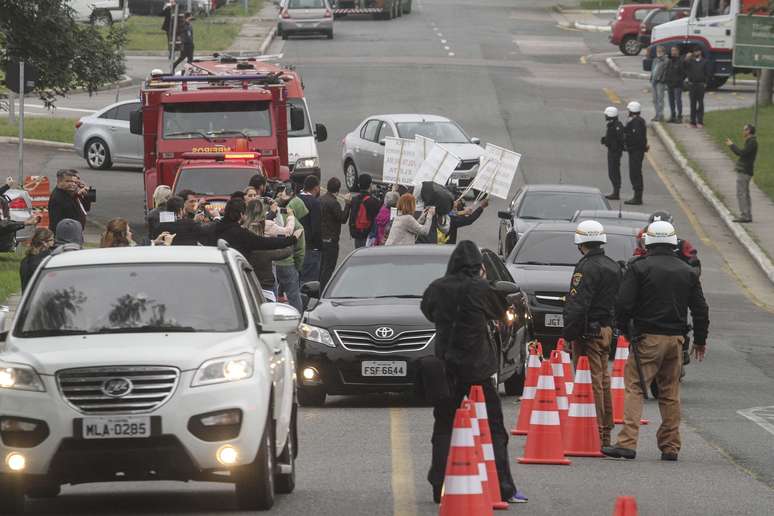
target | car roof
[
  {"x": 138, "y": 255},
  {"x": 569, "y": 227},
  {"x": 410, "y": 117},
  {"x": 613, "y": 214},
  {"x": 562, "y": 188}
]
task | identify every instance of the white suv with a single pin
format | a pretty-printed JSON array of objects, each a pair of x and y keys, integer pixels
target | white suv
[{"x": 147, "y": 363}]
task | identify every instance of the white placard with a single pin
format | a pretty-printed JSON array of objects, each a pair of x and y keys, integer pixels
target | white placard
[
  {"x": 400, "y": 156},
  {"x": 437, "y": 167},
  {"x": 497, "y": 171},
  {"x": 424, "y": 146}
]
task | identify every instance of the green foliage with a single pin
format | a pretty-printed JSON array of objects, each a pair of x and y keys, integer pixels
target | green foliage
[
  {"x": 66, "y": 54},
  {"x": 41, "y": 128},
  {"x": 144, "y": 34},
  {"x": 9, "y": 272}
]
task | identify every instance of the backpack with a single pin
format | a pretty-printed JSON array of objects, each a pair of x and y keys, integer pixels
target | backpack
[{"x": 362, "y": 222}]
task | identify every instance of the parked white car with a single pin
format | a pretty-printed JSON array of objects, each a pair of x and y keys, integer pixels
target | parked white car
[
  {"x": 147, "y": 363},
  {"x": 98, "y": 12}
]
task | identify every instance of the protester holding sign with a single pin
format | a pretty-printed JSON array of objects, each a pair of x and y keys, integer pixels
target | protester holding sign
[
  {"x": 462, "y": 216},
  {"x": 406, "y": 228}
]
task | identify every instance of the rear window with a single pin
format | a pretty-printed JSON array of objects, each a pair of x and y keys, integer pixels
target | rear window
[
  {"x": 306, "y": 4},
  {"x": 558, "y": 248}
]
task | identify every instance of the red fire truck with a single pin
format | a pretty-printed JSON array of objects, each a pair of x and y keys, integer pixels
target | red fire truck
[{"x": 220, "y": 119}]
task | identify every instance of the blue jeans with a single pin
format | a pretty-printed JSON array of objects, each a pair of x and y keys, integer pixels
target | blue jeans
[
  {"x": 287, "y": 277},
  {"x": 311, "y": 271},
  {"x": 659, "y": 88},
  {"x": 676, "y": 101}
]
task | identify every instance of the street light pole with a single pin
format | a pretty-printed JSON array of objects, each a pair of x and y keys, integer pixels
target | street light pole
[
  {"x": 757, "y": 92},
  {"x": 20, "y": 163}
]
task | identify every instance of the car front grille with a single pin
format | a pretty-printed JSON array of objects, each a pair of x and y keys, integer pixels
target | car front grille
[
  {"x": 413, "y": 340},
  {"x": 550, "y": 298},
  {"x": 150, "y": 387}
]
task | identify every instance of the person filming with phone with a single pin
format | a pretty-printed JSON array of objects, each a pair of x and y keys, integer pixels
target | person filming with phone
[{"x": 70, "y": 199}]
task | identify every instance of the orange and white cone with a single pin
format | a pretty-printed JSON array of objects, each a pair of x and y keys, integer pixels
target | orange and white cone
[
  {"x": 562, "y": 402},
  {"x": 581, "y": 434},
  {"x": 476, "y": 396},
  {"x": 463, "y": 494},
  {"x": 625, "y": 506},
  {"x": 544, "y": 440},
  {"x": 567, "y": 364},
  {"x": 617, "y": 384},
  {"x": 528, "y": 396}
]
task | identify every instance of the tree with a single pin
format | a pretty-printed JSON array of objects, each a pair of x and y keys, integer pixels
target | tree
[{"x": 66, "y": 54}]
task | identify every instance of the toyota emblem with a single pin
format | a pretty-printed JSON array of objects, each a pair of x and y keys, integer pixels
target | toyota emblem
[
  {"x": 117, "y": 387},
  {"x": 384, "y": 333}
]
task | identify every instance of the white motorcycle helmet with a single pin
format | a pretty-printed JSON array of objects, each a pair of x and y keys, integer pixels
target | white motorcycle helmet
[
  {"x": 590, "y": 231},
  {"x": 660, "y": 232},
  {"x": 634, "y": 107},
  {"x": 611, "y": 112}
]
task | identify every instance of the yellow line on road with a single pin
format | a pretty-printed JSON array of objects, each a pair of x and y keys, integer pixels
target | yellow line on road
[
  {"x": 613, "y": 96},
  {"x": 583, "y": 60},
  {"x": 403, "y": 495}
]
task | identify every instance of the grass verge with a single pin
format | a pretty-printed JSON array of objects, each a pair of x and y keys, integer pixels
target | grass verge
[
  {"x": 41, "y": 128},
  {"x": 728, "y": 124},
  {"x": 238, "y": 8},
  {"x": 599, "y": 4},
  {"x": 9, "y": 272}
]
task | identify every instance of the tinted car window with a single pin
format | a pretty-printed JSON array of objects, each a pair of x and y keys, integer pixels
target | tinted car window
[
  {"x": 558, "y": 248},
  {"x": 129, "y": 298},
  {"x": 442, "y": 132},
  {"x": 304, "y": 131},
  {"x": 122, "y": 112},
  {"x": 110, "y": 114},
  {"x": 306, "y": 4},
  {"x": 386, "y": 276},
  {"x": 558, "y": 205},
  {"x": 214, "y": 181},
  {"x": 370, "y": 130},
  {"x": 187, "y": 121}
]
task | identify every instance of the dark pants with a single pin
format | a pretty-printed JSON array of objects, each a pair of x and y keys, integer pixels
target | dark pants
[
  {"x": 675, "y": 101},
  {"x": 442, "y": 429},
  {"x": 186, "y": 53},
  {"x": 311, "y": 267},
  {"x": 635, "y": 170},
  {"x": 614, "y": 169},
  {"x": 360, "y": 242},
  {"x": 696, "y": 94},
  {"x": 329, "y": 257}
]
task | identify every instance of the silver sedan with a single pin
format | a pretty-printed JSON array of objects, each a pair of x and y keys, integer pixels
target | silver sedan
[
  {"x": 103, "y": 138},
  {"x": 305, "y": 17}
]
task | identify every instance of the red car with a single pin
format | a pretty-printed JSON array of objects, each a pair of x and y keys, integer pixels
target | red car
[
  {"x": 657, "y": 17},
  {"x": 626, "y": 27}
]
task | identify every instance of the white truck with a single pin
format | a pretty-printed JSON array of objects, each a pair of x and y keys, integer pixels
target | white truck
[
  {"x": 99, "y": 12},
  {"x": 710, "y": 27}
]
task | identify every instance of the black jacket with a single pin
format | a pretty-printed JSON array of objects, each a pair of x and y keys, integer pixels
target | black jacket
[
  {"x": 614, "y": 138},
  {"x": 332, "y": 216},
  {"x": 746, "y": 161},
  {"x": 311, "y": 222},
  {"x": 697, "y": 71},
  {"x": 29, "y": 265},
  {"x": 675, "y": 72},
  {"x": 245, "y": 241},
  {"x": 460, "y": 221},
  {"x": 187, "y": 232},
  {"x": 657, "y": 291},
  {"x": 461, "y": 304},
  {"x": 372, "y": 206},
  {"x": 262, "y": 261},
  {"x": 186, "y": 35},
  {"x": 62, "y": 205},
  {"x": 592, "y": 293},
  {"x": 636, "y": 135}
]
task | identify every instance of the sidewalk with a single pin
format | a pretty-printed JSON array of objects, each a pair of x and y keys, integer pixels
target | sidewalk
[
  {"x": 257, "y": 32},
  {"x": 630, "y": 67},
  {"x": 585, "y": 20}
]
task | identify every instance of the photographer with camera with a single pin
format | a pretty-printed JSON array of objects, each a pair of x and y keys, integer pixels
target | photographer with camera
[{"x": 70, "y": 199}]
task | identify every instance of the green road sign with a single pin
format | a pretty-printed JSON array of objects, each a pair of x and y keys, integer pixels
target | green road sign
[{"x": 754, "y": 42}]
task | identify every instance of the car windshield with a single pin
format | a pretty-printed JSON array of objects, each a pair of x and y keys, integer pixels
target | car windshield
[
  {"x": 89, "y": 300},
  {"x": 304, "y": 131},
  {"x": 558, "y": 248},
  {"x": 558, "y": 205},
  {"x": 214, "y": 181},
  {"x": 213, "y": 119},
  {"x": 441, "y": 132},
  {"x": 386, "y": 276}
]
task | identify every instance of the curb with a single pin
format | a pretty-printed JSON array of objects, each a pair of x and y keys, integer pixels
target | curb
[
  {"x": 743, "y": 236},
  {"x": 39, "y": 143},
  {"x": 591, "y": 27},
  {"x": 625, "y": 75},
  {"x": 267, "y": 40}
]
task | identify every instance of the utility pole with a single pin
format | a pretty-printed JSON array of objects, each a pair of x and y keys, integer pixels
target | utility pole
[
  {"x": 20, "y": 164},
  {"x": 764, "y": 92}
]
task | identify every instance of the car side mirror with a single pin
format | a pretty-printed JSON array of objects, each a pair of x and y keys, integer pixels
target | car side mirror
[
  {"x": 135, "y": 122},
  {"x": 311, "y": 289},
  {"x": 297, "y": 118},
  {"x": 279, "y": 318},
  {"x": 504, "y": 214},
  {"x": 507, "y": 287},
  {"x": 475, "y": 140},
  {"x": 516, "y": 299},
  {"x": 320, "y": 132},
  {"x": 382, "y": 142}
]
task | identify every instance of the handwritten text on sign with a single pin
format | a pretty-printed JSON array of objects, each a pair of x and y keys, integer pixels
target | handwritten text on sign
[
  {"x": 400, "y": 161},
  {"x": 497, "y": 171},
  {"x": 437, "y": 167}
]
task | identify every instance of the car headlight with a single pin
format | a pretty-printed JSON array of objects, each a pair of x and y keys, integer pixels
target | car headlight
[
  {"x": 224, "y": 369},
  {"x": 20, "y": 377},
  {"x": 308, "y": 163},
  {"x": 315, "y": 334}
]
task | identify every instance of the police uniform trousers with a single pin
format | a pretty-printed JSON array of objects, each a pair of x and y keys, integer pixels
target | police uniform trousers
[
  {"x": 598, "y": 353},
  {"x": 635, "y": 170},
  {"x": 614, "y": 169},
  {"x": 444, "y": 413},
  {"x": 661, "y": 358}
]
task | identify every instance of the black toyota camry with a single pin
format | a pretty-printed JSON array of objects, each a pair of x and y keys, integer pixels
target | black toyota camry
[{"x": 366, "y": 332}]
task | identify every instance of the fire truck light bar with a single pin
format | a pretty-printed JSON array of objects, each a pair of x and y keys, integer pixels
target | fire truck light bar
[{"x": 211, "y": 78}]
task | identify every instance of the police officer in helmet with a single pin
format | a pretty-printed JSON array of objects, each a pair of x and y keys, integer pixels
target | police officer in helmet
[
  {"x": 684, "y": 250},
  {"x": 588, "y": 315},
  {"x": 652, "y": 306},
  {"x": 615, "y": 141}
]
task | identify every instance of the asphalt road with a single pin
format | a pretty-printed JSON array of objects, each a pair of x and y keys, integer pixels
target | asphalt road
[{"x": 517, "y": 80}]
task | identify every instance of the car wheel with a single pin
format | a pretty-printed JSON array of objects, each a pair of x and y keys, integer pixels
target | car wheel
[
  {"x": 407, "y": 7},
  {"x": 630, "y": 46},
  {"x": 350, "y": 176},
  {"x": 255, "y": 482},
  {"x": 98, "y": 154},
  {"x": 11, "y": 495},
  {"x": 101, "y": 19},
  {"x": 311, "y": 396},
  {"x": 43, "y": 490},
  {"x": 285, "y": 481},
  {"x": 514, "y": 386}
]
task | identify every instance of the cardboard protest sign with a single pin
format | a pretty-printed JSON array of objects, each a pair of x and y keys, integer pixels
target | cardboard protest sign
[
  {"x": 497, "y": 171},
  {"x": 437, "y": 167},
  {"x": 400, "y": 157},
  {"x": 424, "y": 146}
]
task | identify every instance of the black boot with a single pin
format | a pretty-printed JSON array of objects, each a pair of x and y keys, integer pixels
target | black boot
[
  {"x": 613, "y": 196},
  {"x": 636, "y": 200}
]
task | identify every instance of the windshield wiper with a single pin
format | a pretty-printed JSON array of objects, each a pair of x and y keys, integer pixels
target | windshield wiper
[
  {"x": 399, "y": 296},
  {"x": 52, "y": 333},
  {"x": 183, "y": 133},
  {"x": 148, "y": 329},
  {"x": 228, "y": 131}
]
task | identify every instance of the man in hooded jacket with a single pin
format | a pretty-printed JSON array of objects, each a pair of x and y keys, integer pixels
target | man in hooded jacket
[{"x": 460, "y": 304}]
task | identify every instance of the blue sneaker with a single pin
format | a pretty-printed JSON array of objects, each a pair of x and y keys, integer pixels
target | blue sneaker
[{"x": 519, "y": 497}]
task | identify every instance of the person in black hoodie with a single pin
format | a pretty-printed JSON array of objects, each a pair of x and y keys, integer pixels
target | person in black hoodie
[
  {"x": 675, "y": 76},
  {"x": 40, "y": 247},
  {"x": 230, "y": 229},
  {"x": 460, "y": 304},
  {"x": 698, "y": 74}
]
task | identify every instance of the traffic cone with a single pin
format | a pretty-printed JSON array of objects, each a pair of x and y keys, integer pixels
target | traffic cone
[
  {"x": 544, "y": 440},
  {"x": 482, "y": 471},
  {"x": 581, "y": 434},
  {"x": 567, "y": 364},
  {"x": 476, "y": 395},
  {"x": 617, "y": 385},
  {"x": 528, "y": 396},
  {"x": 463, "y": 493},
  {"x": 561, "y": 394},
  {"x": 625, "y": 506}
]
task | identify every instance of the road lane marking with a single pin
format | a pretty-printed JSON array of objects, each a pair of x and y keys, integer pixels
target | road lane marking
[
  {"x": 613, "y": 96},
  {"x": 583, "y": 60},
  {"x": 443, "y": 41},
  {"x": 447, "y": 48},
  {"x": 761, "y": 416},
  {"x": 403, "y": 494},
  {"x": 451, "y": 54}
]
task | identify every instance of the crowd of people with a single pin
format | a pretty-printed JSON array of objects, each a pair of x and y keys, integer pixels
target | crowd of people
[{"x": 674, "y": 74}]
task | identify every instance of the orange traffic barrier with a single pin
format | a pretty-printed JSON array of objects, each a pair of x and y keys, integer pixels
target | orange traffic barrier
[
  {"x": 617, "y": 385},
  {"x": 476, "y": 396},
  {"x": 39, "y": 190},
  {"x": 581, "y": 434},
  {"x": 566, "y": 364},
  {"x": 463, "y": 494},
  {"x": 528, "y": 396},
  {"x": 625, "y": 506},
  {"x": 561, "y": 394},
  {"x": 544, "y": 440}
]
